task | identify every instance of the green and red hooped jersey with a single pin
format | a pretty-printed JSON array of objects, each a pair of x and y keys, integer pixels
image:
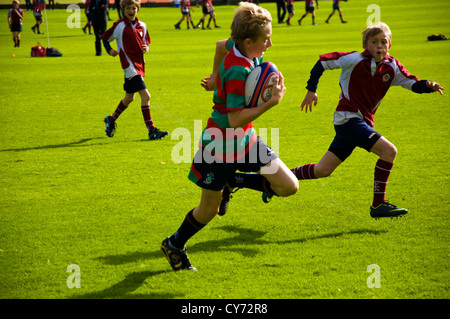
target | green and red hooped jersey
[{"x": 224, "y": 143}]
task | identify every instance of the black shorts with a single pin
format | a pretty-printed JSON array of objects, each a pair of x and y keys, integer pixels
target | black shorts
[
  {"x": 310, "y": 9},
  {"x": 37, "y": 16},
  {"x": 355, "y": 132},
  {"x": 134, "y": 84},
  {"x": 16, "y": 27},
  {"x": 215, "y": 175},
  {"x": 290, "y": 8}
]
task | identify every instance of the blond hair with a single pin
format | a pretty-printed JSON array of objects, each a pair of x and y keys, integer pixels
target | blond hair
[
  {"x": 249, "y": 21},
  {"x": 124, "y": 3},
  {"x": 374, "y": 29}
]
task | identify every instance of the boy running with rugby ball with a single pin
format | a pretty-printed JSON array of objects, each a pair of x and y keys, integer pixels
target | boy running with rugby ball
[{"x": 231, "y": 123}]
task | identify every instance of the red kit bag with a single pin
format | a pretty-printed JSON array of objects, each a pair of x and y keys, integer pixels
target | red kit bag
[{"x": 38, "y": 51}]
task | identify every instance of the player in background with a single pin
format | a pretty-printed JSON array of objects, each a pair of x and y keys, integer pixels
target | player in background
[
  {"x": 38, "y": 6},
  {"x": 99, "y": 10},
  {"x": 364, "y": 81},
  {"x": 88, "y": 16},
  {"x": 281, "y": 10},
  {"x": 132, "y": 41},
  {"x": 338, "y": 8},
  {"x": 207, "y": 9},
  {"x": 15, "y": 18},
  {"x": 212, "y": 14},
  {"x": 231, "y": 124},
  {"x": 205, "y": 13},
  {"x": 290, "y": 9},
  {"x": 185, "y": 13},
  {"x": 309, "y": 8}
]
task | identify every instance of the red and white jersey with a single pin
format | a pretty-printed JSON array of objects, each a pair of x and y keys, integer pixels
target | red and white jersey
[
  {"x": 309, "y": 3},
  {"x": 185, "y": 5},
  {"x": 364, "y": 83},
  {"x": 14, "y": 16},
  {"x": 129, "y": 39}
]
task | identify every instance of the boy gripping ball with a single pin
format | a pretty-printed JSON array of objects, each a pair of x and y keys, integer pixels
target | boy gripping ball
[
  {"x": 229, "y": 142},
  {"x": 365, "y": 79},
  {"x": 132, "y": 40}
]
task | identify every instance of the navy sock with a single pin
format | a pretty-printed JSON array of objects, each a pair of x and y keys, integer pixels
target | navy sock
[
  {"x": 253, "y": 181},
  {"x": 188, "y": 228}
]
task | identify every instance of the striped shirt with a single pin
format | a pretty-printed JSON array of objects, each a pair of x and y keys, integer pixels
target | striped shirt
[{"x": 225, "y": 143}]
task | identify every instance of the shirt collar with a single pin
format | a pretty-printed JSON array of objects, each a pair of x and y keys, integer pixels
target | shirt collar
[
  {"x": 240, "y": 55},
  {"x": 125, "y": 19}
]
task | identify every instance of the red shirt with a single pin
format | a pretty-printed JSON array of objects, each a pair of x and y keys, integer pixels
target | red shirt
[
  {"x": 129, "y": 38},
  {"x": 364, "y": 83},
  {"x": 15, "y": 17}
]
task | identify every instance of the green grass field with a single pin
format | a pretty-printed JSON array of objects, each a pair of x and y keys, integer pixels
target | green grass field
[{"x": 72, "y": 196}]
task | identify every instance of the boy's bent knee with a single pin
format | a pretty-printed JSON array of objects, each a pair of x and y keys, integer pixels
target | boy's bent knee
[
  {"x": 145, "y": 97},
  {"x": 288, "y": 189},
  {"x": 389, "y": 154}
]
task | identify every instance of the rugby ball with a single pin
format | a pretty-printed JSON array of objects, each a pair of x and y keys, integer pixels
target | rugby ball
[{"x": 259, "y": 84}]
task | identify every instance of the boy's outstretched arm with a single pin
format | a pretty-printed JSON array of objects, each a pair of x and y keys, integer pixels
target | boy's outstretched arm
[
  {"x": 310, "y": 98},
  {"x": 313, "y": 82},
  {"x": 435, "y": 87},
  {"x": 425, "y": 86},
  {"x": 209, "y": 83}
]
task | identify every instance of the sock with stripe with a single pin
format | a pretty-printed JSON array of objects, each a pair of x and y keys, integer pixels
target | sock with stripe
[
  {"x": 304, "y": 172},
  {"x": 120, "y": 108},
  {"x": 147, "y": 117},
  {"x": 188, "y": 228},
  {"x": 382, "y": 171}
]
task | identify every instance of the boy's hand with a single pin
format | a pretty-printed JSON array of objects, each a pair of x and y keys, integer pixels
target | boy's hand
[
  {"x": 278, "y": 90},
  {"x": 308, "y": 101},
  {"x": 208, "y": 83},
  {"x": 435, "y": 86},
  {"x": 145, "y": 48},
  {"x": 113, "y": 52}
]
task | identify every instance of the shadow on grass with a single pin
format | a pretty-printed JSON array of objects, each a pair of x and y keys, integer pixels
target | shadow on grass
[
  {"x": 124, "y": 288},
  {"x": 81, "y": 143},
  {"x": 244, "y": 237},
  {"x": 54, "y": 146},
  {"x": 332, "y": 235}
]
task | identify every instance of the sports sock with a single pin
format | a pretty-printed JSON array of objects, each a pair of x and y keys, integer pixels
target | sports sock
[
  {"x": 147, "y": 117},
  {"x": 253, "y": 181},
  {"x": 304, "y": 172},
  {"x": 120, "y": 108},
  {"x": 382, "y": 171},
  {"x": 188, "y": 228}
]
